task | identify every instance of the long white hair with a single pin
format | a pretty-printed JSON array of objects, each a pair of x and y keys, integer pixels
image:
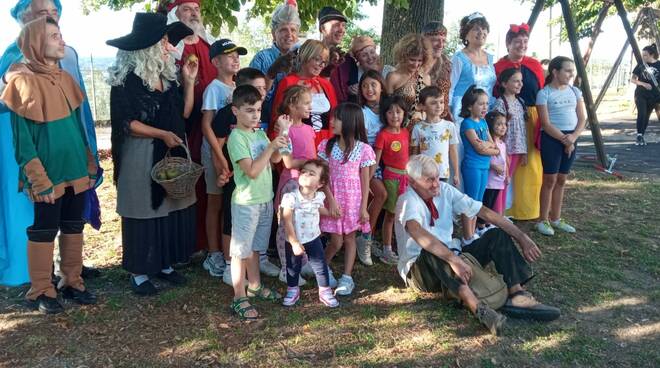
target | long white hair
[{"x": 148, "y": 64}]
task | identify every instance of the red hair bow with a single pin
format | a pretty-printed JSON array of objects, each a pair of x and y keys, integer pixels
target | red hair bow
[{"x": 516, "y": 29}]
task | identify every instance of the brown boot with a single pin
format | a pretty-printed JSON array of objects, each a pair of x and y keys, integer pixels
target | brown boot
[
  {"x": 71, "y": 263},
  {"x": 40, "y": 267}
]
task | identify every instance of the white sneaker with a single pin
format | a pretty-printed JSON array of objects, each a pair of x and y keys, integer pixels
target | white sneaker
[
  {"x": 475, "y": 236},
  {"x": 481, "y": 231},
  {"x": 332, "y": 281},
  {"x": 282, "y": 277},
  {"x": 364, "y": 251},
  {"x": 267, "y": 268},
  {"x": 226, "y": 277},
  {"x": 215, "y": 264},
  {"x": 389, "y": 257},
  {"x": 307, "y": 271},
  {"x": 545, "y": 228},
  {"x": 485, "y": 229},
  {"x": 376, "y": 250},
  {"x": 563, "y": 226},
  {"x": 345, "y": 285}
]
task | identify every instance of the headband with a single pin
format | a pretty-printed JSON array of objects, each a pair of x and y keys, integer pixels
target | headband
[
  {"x": 475, "y": 15},
  {"x": 519, "y": 28}
]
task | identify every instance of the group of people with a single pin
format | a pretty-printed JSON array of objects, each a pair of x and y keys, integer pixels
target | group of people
[{"x": 310, "y": 148}]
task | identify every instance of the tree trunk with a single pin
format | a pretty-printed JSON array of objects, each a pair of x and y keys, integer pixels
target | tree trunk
[{"x": 397, "y": 22}]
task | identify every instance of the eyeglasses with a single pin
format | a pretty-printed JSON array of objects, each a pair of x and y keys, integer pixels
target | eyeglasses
[{"x": 319, "y": 60}]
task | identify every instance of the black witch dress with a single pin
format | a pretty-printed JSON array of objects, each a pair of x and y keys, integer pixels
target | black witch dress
[{"x": 157, "y": 231}]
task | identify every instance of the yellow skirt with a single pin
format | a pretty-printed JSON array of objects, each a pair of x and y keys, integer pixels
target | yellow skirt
[{"x": 527, "y": 179}]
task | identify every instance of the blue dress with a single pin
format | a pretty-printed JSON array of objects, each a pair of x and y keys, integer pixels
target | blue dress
[
  {"x": 16, "y": 211},
  {"x": 464, "y": 74}
]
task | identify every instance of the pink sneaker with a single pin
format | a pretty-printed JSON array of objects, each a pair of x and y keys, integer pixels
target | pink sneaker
[
  {"x": 292, "y": 296},
  {"x": 327, "y": 297}
]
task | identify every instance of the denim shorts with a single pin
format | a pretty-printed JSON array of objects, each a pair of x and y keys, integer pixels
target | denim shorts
[
  {"x": 250, "y": 229},
  {"x": 553, "y": 157}
]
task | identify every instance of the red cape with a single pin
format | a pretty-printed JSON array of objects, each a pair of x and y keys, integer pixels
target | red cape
[
  {"x": 292, "y": 80},
  {"x": 527, "y": 62}
]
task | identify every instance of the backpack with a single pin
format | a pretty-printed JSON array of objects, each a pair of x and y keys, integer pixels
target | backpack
[{"x": 486, "y": 286}]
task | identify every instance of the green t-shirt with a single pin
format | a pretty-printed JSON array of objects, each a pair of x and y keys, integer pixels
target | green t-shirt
[
  {"x": 249, "y": 144},
  {"x": 60, "y": 145}
]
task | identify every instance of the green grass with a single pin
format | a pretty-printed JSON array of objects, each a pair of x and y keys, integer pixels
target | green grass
[{"x": 604, "y": 278}]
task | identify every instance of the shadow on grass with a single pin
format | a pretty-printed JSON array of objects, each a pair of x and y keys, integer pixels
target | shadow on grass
[{"x": 604, "y": 278}]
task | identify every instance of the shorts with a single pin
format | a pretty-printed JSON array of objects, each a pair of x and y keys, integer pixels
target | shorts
[
  {"x": 210, "y": 175},
  {"x": 474, "y": 182},
  {"x": 553, "y": 157},
  {"x": 396, "y": 183},
  {"x": 392, "y": 189},
  {"x": 251, "y": 225}
]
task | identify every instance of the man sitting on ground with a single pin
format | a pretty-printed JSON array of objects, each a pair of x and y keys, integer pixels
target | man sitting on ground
[{"x": 428, "y": 257}]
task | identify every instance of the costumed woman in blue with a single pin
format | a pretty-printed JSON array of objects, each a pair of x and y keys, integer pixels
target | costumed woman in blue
[{"x": 16, "y": 210}]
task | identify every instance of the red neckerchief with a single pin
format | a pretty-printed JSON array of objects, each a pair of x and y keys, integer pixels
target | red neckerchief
[
  {"x": 434, "y": 211},
  {"x": 312, "y": 83}
]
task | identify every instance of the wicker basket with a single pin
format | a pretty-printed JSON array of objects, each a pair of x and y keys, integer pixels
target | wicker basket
[{"x": 183, "y": 185}]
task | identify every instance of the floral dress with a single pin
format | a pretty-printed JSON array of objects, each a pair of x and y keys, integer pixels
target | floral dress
[
  {"x": 345, "y": 186},
  {"x": 516, "y": 133}
]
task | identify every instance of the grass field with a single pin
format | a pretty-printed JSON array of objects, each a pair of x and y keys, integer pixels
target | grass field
[{"x": 604, "y": 278}]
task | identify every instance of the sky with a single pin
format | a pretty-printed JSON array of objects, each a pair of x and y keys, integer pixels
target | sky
[{"x": 88, "y": 33}]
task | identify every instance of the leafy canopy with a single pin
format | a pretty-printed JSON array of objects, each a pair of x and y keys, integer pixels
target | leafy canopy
[
  {"x": 221, "y": 13},
  {"x": 585, "y": 13}
]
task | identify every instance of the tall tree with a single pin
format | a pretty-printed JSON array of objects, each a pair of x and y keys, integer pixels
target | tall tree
[{"x": 401, "y": 17}]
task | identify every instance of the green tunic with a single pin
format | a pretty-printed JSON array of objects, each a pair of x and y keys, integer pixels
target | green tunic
[{"x": 59, "y": 145}]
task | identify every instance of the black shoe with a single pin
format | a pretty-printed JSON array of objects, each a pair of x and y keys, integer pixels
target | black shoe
[
  {"x": 643, "y": 141},
  {"x": 89, "y": 272},
  {"x": 46, "y": 305},
  {"x": 522, "y": 305},
  {"x": 80, "y": 297},
  {"x": 144, "y": 289},
  {"x": 173, "y": 277}
]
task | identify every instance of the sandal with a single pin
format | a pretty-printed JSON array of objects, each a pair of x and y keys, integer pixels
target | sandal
[
  {"x": 263, "y": 293},
  {"x": 242, "y": 311}
]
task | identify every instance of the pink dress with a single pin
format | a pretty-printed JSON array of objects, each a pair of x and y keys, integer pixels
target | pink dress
[
  {"x": 302, "y": 147},
  {"x": 345, "y": 186}
]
